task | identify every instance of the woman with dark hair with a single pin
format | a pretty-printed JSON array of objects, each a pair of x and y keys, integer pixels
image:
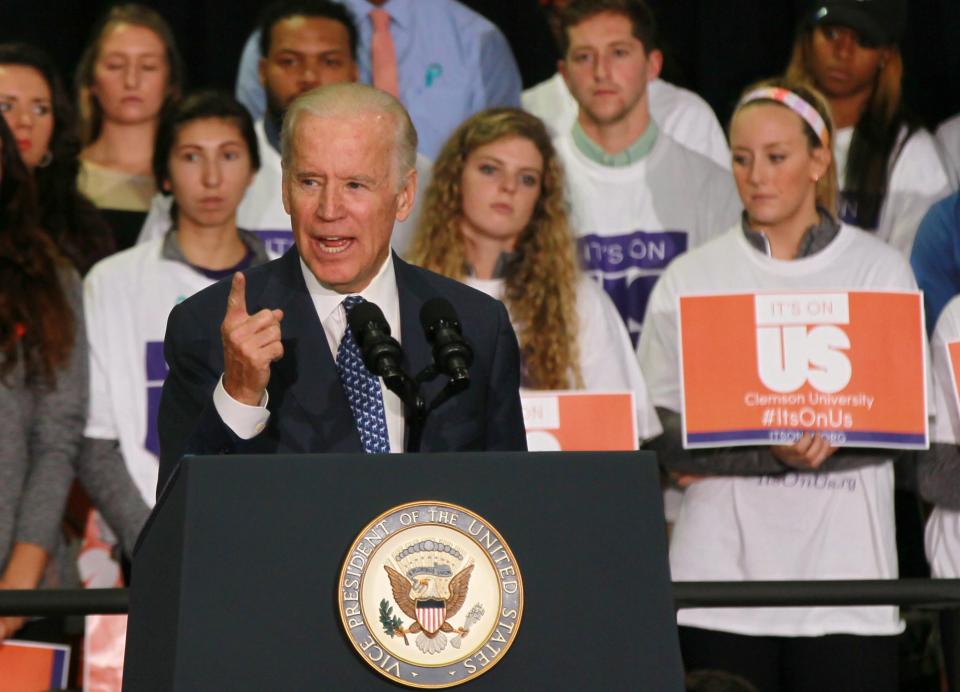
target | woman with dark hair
[
  {"x": 36, "y": 107},
  {"x": 43, "y": 381},
  {"x": 802, "y": 511},
  {"x": 128, "y": 73},
  {"x": 890, "y": 170},
  {"x": 205, "y": 157},
  {"x": 495, "y": 218}
]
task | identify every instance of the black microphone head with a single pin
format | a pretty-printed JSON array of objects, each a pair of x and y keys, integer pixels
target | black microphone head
[
  {"x": 452, "y": 354},
  {"x": 381, "y": 352},
  {"x": 363, "y": 314},
  {"x": 435, "y": 311}
]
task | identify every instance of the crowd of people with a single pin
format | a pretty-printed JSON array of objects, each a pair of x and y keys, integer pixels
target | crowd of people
[{"x": 587, "y": 204}]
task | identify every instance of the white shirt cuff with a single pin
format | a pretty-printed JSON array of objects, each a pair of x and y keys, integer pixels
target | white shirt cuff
[{"x": 245, "y": 421}]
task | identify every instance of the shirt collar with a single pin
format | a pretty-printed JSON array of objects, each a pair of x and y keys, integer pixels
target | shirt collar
[
  {"x": 400, "y": 10},
  {"x": 382, "y": 290},
  {"x": 171, "y": 250},
  {"x": 636, "y": 151},
  {"x": 814, "y": 239}
]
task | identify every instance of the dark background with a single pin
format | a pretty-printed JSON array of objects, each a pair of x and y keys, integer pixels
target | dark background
[{"x": 715, "y": 47}]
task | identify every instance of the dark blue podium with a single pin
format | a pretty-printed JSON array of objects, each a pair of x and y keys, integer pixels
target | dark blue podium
[{"x": 235, "y": 578}]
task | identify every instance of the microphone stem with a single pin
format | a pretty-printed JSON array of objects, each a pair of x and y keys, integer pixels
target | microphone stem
[{"x": 417, "y": 415}]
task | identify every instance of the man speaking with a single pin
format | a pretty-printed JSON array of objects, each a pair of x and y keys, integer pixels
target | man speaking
[{"x": 265, "y": 363}]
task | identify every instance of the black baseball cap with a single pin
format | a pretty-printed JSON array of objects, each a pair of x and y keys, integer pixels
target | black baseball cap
[{"x": 879, "y": 22}]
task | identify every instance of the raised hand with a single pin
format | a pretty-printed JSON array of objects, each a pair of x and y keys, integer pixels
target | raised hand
[{"x": 250, "y": 344}]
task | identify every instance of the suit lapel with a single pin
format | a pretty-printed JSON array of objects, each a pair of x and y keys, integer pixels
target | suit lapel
[{"x": 413, "y": 293}]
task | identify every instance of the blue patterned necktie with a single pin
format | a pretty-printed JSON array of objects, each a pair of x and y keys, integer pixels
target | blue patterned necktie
[{"x": 362, "y": 388}]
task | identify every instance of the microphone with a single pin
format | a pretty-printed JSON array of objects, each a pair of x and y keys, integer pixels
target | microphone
[
  {"x": 381, "y": 352},
  {"x": 451, "y": 354}
]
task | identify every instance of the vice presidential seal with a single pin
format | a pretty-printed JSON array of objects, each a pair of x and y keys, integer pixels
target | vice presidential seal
[{"x": 430, "y": 595}]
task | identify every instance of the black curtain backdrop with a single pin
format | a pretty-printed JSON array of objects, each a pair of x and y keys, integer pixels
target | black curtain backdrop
[{"x": 715, "y": 47}]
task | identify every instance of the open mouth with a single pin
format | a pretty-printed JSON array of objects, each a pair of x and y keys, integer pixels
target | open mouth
[{"x": 332, "y": 245}]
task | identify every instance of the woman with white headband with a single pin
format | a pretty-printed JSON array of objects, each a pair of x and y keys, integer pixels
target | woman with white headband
[{"x": 797, "y": 512}]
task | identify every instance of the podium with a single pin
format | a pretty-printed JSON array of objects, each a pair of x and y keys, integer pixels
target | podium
[{"x": 235, "y": 579}]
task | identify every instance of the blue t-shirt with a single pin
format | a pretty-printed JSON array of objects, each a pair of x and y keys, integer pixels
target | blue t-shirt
[{"x": 936, "y": 257}]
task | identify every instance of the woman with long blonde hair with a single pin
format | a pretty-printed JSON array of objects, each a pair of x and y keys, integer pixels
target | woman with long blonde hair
[
  {"x": 130, "y": 71},
  {"x": 806, "y": 510},
  {"x": 495, "y": 218}
]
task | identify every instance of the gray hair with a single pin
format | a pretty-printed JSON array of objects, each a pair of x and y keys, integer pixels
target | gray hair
[{"x": 346, "y": 99}]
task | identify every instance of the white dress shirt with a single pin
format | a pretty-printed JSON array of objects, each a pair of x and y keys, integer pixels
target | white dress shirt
[{"x": 248, "y": 421}]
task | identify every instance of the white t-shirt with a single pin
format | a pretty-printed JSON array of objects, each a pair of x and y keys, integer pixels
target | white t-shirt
[
  {"x": 792, "y": 526},
  {"x": 948, "y": 138},
  {"x": 126, "y": 300},
  {"x": 942, "y": 536},
  {"x": 679, "y": 112},
  {"x": 632, "y": 221},
  {"x": 261, "y": 210},
  {"x": 917, "y": 180},
  {"x": 607, "y": 360},
  {"x": 158, "y": 220}
]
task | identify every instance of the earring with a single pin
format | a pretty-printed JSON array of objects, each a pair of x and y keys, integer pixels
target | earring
[{"x": 45, "y": 160}]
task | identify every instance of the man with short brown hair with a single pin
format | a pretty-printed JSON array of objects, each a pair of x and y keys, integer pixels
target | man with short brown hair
[{"x": 638, "y": 198}]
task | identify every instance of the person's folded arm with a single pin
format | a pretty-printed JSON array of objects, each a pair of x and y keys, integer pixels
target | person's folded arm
[
  {"x": 743, "y": 461},
  {"x": 938, "y": 471}
]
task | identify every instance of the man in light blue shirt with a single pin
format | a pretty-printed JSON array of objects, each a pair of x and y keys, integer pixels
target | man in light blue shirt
[{"x": 451, "y": 63}]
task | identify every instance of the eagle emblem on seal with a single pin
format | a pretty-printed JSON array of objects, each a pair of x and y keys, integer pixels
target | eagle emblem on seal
[{"x": 430, "y": 587}]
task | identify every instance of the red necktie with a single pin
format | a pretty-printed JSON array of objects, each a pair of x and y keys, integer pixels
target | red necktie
[{"x": 383, "y": 53}]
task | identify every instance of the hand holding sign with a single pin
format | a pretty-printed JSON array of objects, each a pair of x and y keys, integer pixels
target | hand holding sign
[
  {"x": 809, "y": 452},
  {"x": 250, "y": 344}
]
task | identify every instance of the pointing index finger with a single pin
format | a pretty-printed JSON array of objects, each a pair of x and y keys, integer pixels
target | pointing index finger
[{"x": 237, "y": 300}]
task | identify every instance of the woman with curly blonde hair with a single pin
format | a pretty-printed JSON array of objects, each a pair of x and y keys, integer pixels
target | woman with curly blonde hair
[{"x": 495, "y": 218}]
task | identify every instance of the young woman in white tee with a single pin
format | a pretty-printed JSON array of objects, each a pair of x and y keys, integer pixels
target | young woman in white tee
[
  {"x": 759, "y": 513},
  {"x": 495, "y": 218},
  {"x": 889, "y": 167},
  {"x": 206, "y": 156}
]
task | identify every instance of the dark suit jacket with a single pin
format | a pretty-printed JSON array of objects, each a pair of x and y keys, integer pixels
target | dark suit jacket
[{"x": 309, "y": 410}]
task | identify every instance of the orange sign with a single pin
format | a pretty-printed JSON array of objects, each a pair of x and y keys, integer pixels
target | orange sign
[
  {"x": 31, "y": 666},
  {"x": 764, "y": 368},
  {"x": 579, "y": 421}
]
